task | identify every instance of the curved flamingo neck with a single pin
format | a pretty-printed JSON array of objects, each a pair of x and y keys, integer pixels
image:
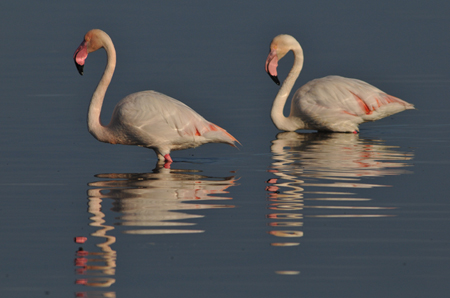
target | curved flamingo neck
[
  {"x": 277, "y": 114},
  {"x": 99, "y": 131}
]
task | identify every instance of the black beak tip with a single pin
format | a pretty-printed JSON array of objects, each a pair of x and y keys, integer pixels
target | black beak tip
[
  {"x": 275, "y": 79},
  {"x": 79, "y": 68}
]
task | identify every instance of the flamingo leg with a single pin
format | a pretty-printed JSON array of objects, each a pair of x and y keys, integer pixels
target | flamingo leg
[
  {"x": 167, "y": 161},
  {"x": 167, "y": 158}
]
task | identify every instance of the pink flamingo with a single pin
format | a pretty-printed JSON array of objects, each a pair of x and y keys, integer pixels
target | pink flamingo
[
  {"x": 148, "y": 118},
  {"x": 331, "y": 103}
]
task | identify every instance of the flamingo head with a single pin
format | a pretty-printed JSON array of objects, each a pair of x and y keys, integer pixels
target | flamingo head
[
  {"x": 279, "y": 47},
  {"x": 92, "y": 42}
]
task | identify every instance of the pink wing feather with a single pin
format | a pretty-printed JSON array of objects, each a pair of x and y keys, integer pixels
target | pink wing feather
[{"x": 340, "y": 103}]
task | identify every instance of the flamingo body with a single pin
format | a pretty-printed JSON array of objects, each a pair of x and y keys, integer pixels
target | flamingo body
[
  {"x": 157, "y": 121},
  {"x": 148, "y": 118},
  {"x": 332, "y": 103}
]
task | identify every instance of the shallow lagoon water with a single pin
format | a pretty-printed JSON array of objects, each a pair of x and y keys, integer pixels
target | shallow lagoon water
[{"x": 286, "y": 214}]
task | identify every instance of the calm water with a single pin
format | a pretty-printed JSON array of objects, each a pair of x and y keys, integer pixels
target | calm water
[{"x": 285, "y": 215}]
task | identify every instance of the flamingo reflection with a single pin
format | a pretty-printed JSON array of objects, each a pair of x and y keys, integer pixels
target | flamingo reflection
[
  {"x": 157, "y": 199},
  {"x": 96, "y": 262},
  {"x": 151, "y": 203},
  {"x": 327, "y": 169}
]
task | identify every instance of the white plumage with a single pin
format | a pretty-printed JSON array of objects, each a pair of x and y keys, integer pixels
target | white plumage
[
  {"x": 148, "y": 118},
  {"x": 332, "y": 103}
]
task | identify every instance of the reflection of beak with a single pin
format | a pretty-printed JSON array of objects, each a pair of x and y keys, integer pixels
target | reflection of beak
[
  {"x": 271, "y": 66},
  {"x": 80, "y": 56}
]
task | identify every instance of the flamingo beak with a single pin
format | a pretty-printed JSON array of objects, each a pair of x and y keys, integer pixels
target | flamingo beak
[
  {"x": 275, "y": 79},
  {"x": 79, "y": 68},
  {"x": 80, "y": 56},
  {"x": 271, "y": 66}
]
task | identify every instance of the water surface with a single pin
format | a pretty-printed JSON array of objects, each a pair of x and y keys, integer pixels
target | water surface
[{"x": 284, "y": 215}]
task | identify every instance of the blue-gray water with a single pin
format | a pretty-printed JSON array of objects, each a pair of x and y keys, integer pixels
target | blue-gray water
[{"x": 285, "y": 215}]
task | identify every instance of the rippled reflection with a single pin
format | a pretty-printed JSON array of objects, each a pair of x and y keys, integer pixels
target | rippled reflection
[
  {"x": 146, "y": 203},
  {"x": 101, "y": 264},
  {"x": 322, "y": 173},
  {"x": 158, "y": 199}
]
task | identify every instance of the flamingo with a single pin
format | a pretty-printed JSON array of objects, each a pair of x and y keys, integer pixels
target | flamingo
[
  {"x": 332, "y": 103},
  {"x": 148, "y": 118}
]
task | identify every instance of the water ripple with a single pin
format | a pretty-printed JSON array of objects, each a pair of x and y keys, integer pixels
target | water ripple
[
  {"x": 156, "y": 201},
  {"x": 306, "y": 165}
]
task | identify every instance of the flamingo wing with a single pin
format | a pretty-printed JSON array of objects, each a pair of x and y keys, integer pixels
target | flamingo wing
[
  {"x": 153, "y": 119},
  {"x": 340, "y": 104}
]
